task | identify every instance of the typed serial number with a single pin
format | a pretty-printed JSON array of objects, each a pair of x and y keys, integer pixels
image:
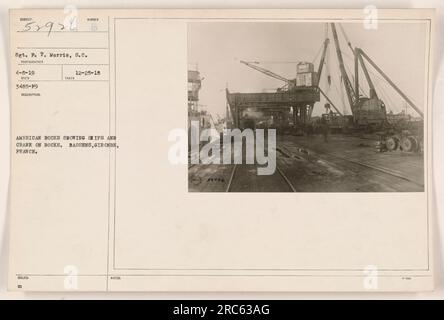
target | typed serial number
[
  {"x": 223, "y": 310},
  {"x": 243, "y": 309}
]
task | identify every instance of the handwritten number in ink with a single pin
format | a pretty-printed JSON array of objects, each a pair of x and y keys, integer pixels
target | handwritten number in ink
[{"x": 49, "y": 25}]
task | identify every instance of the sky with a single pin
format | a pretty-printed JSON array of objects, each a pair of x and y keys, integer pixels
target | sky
[{"x": 216, "y": 49}]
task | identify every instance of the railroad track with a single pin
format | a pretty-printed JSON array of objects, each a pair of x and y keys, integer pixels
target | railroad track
[
  {"x": 366, "y": 165},
  {"x": 279, "y": 170},
  {"x": 239, "y": 175},
  {"x": 376, "y": 168},
  {"x": 190, "y": 156},
  {"x": 287, "y": 181},
  {"x": 230, "y": 181}
]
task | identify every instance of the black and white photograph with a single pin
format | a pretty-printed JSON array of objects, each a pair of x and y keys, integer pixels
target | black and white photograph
[
  {"x": 307, "y": 106},
  {"x": 306, "y": 164}
]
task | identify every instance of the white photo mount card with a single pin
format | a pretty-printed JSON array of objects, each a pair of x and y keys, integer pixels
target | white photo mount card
[{"x": 221, "y": 150}]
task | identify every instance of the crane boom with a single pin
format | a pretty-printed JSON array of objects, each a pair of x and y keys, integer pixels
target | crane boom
[
  {"x": 394, "y": 86},
  {"x": 358, "y": 55},
  {"x": 265, "y": 71},
  {"x": 321, "y": 62},
  {"x": 351, "y": 95},
  {"x": 331, "y": 103}
]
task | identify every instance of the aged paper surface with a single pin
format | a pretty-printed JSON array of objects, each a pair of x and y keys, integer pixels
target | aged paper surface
[{"x": 106, "y": 197}]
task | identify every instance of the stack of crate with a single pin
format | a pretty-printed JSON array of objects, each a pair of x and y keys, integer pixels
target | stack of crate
[{"x": 305, "y": 75}]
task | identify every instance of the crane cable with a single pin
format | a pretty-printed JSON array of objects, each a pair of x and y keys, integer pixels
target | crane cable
[
  {"x": 378, "y": 76},
  {"x": 327, "y": 59},
  {"x": 326, "y": 62},
  {"x": 380, "y": 87},
  {"x": 346, "y": 38},
  {"x": 345, "y": 54},
  {"x": 386, "y": 96},
  {"x": 322, "y": 45},
  {"x": 339, "y": 91},
  {"x": 317, "y": 54}
]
